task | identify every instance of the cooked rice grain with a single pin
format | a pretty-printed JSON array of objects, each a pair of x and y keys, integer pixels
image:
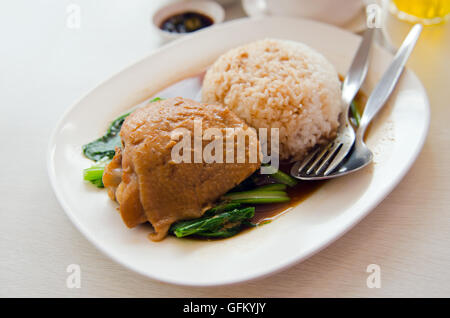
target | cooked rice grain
[{"x": 279, "y": 84}]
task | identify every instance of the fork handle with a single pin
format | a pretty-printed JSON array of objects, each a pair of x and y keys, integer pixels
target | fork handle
[
  {"x": 358, "y": 70},
  {"x": 389, "y": 80}
]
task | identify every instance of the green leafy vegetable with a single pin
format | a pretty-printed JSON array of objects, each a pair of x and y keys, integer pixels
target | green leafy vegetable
[
  {"x": 221, "y": 208},
  {"x": 222, "y": 224},
  {"x": 223, "y": 233},
  {"x": 229, "y": 218},
  {"x": 105, "y": 146},
  {"x": 155, "y": 99}
]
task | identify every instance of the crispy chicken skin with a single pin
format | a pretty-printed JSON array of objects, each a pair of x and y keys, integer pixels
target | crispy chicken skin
[{"x": 151, "y": 186}]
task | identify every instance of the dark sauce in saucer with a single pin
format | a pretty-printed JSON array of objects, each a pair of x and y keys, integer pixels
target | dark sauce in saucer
[{"x": 186, "y": 22}]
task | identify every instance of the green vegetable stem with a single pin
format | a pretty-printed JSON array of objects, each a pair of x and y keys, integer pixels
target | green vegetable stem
[
  {"x": 281, "y": 177},
  {"x": 94, "y": 174},
  {"x": 355, "y": 113}
]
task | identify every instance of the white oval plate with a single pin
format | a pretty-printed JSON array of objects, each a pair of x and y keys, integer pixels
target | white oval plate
[{"x": 396, "y": 138}]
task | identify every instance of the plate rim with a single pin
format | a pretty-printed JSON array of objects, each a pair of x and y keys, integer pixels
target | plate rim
[{"x": 259, "y": 274}]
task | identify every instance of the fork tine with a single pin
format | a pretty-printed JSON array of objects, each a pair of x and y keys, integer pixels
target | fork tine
[
  {"x": 319, "y": 158},
  {"x": 308, "y": 158},
  {"x": 336, "y": 147},
  {"x": 339, "y": 157}
]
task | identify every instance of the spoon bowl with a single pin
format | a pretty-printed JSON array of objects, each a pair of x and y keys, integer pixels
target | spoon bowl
[{"x": 359, "y": 158}]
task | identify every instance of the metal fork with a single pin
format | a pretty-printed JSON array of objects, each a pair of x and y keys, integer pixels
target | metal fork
[{"x": 322, "y": 160}]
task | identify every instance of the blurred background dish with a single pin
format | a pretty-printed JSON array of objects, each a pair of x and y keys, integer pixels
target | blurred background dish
[{"x": 337, "y": 12}]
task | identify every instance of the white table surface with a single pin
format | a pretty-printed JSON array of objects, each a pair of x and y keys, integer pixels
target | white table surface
[{"x": 45, "y": 67}]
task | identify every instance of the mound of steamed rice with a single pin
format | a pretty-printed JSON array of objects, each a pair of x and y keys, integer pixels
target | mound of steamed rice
[{"x": 279, "y": 84}]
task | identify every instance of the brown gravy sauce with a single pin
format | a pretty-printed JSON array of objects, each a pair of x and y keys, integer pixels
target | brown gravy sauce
[{"x": 264, "y": 213}]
